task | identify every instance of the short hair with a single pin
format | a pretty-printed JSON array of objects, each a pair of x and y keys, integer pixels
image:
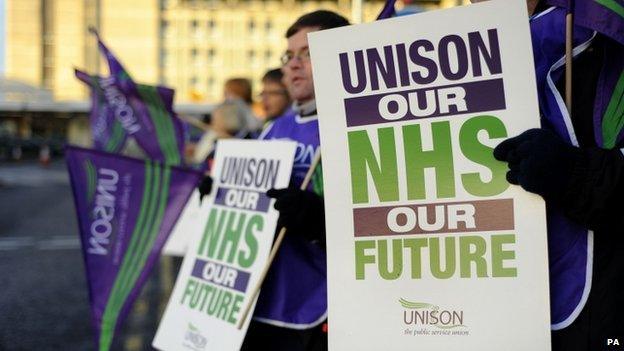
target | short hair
[
  {"x": 322, "y": 19},
  {"x": 241, "y": 87},
  {"x": 274, "y": 75}
]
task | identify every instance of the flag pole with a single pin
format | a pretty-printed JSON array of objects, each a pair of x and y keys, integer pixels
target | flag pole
[
  {"x": 568, "y": 55},
  {"x": 276, "y": 245},
  {"x": 356, "y": 11}
]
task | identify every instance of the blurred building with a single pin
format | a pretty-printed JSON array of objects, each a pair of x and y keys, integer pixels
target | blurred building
[
  {"x": 190, "y": 45},
  {"x": 46, "y": 39}
]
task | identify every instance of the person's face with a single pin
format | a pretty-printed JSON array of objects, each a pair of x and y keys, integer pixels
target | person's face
[
  {"x": 275, "y": 99},
  {"x": 298, "y": 70}
]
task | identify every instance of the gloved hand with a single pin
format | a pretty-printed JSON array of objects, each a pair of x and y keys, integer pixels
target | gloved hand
[
  {"x": 204, "y": 187},
  {"x": 539, "y": 161},
  {"x": 302, "y": 212}
]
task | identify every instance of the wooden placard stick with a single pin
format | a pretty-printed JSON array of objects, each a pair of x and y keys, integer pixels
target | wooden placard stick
[
  {"x": 568, "y": 56},
  {"x": 277, "y": 244}
]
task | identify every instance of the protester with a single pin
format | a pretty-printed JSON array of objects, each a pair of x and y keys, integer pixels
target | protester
[
  {"x": 580, "y": 176},
  {"x": 275, "y": 99},
  {"x": 292, "y": 306},
  {"x": 228, "y": 120},
  {"x": 291, "y": 311},
  {"x": 240, "y": 89}
]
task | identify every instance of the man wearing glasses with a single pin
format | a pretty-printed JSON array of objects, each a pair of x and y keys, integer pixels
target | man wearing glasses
[{"x": 292, "y": 307}]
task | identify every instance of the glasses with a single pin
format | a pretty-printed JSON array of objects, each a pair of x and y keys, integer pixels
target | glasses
[
  {"x": 267, "y": 93},
  {"x": 303, "y": 56}
]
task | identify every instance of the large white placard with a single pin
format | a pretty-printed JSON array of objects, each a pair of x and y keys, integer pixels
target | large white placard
[
  {"x": 224, "y": 260},
  {"x": 429, "y": 248}
]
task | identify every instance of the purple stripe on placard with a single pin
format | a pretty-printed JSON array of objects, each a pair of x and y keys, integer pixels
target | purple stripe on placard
[
  {"x": 486, "y": 95},
  {"x": 242, "y": 199},
  {"x": 221, "y": 275}
]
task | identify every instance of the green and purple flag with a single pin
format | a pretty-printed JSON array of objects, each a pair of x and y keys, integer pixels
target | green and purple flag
[
  {"x": 602, "y": 16},
  {"x": 607, "y": 18},
  {"x": 126, "y": 209},
  {"x": 145, "y": 112},
  {"x": 108, "y": 134}
]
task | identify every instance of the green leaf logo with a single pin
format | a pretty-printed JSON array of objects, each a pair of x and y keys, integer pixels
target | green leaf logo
[{"x": 416, "y": 305}]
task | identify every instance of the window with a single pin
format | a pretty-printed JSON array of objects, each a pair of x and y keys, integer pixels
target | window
[
  {"x": 194, "y": 26},
  {"x": 164, "y": 57},
  {"x": 165, "y": 28}
]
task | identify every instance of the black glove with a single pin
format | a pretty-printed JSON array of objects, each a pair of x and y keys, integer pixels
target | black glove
[
  {"x": 302, "y": 212},
  {"x": 539, "y": 161},
  {"x": 204, "y": 187}
]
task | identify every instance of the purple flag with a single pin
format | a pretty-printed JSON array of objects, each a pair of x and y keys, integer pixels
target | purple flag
[
  {"x": 602, "y": 16},
  {"x": 388, "y": 10},
  {"x": 108, "y": 134},
  {"x": 145, "y": 112},
  {"x": 126, "y": 209}
]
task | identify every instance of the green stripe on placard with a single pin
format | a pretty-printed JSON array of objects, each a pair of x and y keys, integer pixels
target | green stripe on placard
[
  {"x": 613, "y": 119},
  {"x": 613, "y": 6},
  {"x": 111, "y": 313}
]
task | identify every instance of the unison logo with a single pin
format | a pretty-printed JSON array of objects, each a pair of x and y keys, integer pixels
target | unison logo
[
  {"x": 119, "y": 103},
  {"x": 193, "y": 339},
  {"x": 426, "y": 314},
  {"x": 101, "y": 188}
]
